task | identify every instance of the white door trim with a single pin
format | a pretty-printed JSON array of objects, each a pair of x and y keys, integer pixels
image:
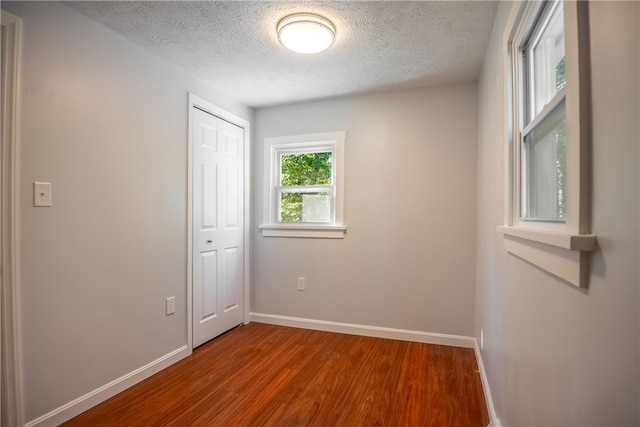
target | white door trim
[
  {"x": 203, "y": 104},
  {"x": 12, "y": 409}
]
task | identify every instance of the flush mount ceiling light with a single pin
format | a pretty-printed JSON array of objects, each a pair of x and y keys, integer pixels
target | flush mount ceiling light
[{"x": 306, "y": 33}]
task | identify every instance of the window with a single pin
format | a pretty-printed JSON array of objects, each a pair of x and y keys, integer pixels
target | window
[
  {"x": 303, "y": 194},
  {"x": 543, "y": 135},
  {"x": 305, "y": 185},
  {"x": 548, "y": 212}
]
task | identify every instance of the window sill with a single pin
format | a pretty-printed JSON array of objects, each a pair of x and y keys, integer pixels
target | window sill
[
  {"x": 303, "y": 230},
  {"x": 564, "y": 255}
]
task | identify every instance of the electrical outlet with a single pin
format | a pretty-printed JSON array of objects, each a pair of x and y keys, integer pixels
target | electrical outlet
[
  {"x": 301, "y": 283},
  {"x": 171, "y": 305}
]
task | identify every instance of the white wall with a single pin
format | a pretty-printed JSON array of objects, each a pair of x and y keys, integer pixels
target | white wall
[
  {"x": 105, "y": 122},
  {"x": 408, "y": 258},
  {"x": 556, "y": 355}
]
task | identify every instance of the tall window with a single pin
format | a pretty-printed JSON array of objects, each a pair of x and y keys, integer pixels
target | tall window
[
  {"x": 543, "y": 136},
  {"x": 304, "y": 182},
  {"x": 548, "y": 203}
]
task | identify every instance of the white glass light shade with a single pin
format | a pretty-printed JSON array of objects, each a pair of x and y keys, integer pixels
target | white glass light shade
[{"x": 306, "y": 33}]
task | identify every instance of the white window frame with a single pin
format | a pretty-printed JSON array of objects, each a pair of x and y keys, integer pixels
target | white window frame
[
  {"x": 274, "y": 148},
  {"x": 561, "y": 248}
]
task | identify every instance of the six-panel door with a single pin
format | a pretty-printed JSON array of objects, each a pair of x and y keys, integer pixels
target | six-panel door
[{"x": 217, "y": 226}]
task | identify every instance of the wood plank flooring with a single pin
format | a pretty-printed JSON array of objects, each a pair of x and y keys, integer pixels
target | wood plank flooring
[{"x": 265, "y": 375}]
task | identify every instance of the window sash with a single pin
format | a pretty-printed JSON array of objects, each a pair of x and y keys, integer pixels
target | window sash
[
  {"x": 557, "y": 101},
  {"x": 322, "y": 188},
  {"x": 306, "y": 189},
  {"x": 530, "y": 121},
  {"x": 530, "y": 209},
  {"x": 540, "y": 23},
  {"x": 314, "y": 150}
]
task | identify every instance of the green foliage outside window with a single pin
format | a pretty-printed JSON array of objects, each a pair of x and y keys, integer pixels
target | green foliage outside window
[
  {"x": 301, "y": 170},
  {"x": 561, "y": 169},
  {"x": 306, "y": 169},
  {"x": 561, "y": 75},
  {"x": 561, "y": 147}
]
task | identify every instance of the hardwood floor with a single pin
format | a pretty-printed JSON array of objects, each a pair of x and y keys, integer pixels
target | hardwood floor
[{"x": 276, "y": 376}]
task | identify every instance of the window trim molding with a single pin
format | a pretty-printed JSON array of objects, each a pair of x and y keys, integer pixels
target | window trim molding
[
  {"x": 270, "y": 226},
  {"x": 294, "y": 230},
  {"x": 562, "y": 250}
]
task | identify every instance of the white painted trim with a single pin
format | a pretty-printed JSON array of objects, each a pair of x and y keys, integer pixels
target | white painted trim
[
  {"x": 494, "y": 421},
  {"x": 190, "y": 137},
  {"x": 365, "y": 330},
  {"x": 99, "y": 395},
  {"x": 294, "y": 230},
  {"x": 12, "y": 412},
  {"x": 568, "y": 241},
  {"x": 334, "y": 141},
  {"x": 571, "y": 266},
  {"x": 562, "y": 249},
  {"x": 203, "y": 104}
]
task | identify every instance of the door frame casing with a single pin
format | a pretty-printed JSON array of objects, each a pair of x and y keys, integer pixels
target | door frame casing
[
  {"x": 215, "y": 110},
  {"x": 12, "y": 405}
]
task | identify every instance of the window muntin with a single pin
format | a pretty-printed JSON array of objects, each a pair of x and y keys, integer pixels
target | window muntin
[{"x": 543, "y": 129}]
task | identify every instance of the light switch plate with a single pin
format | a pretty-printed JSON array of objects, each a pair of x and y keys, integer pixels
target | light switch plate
[
  {"x": 170, "y": 306},
  {"x": 42, "y": 194}
]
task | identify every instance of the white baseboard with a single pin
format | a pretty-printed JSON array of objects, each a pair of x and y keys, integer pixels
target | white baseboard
[
  {"x": 91, "y": 399},
  {"x": 365, "y": 330},
  {"x": 493, "y": 417}
]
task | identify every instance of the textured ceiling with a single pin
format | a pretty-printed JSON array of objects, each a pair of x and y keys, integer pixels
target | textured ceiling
[{"x": 379, "y": 45}]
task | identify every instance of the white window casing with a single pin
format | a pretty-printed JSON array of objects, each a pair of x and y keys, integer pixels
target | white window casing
[
  {"x": 274, "y": 148},
  {"x": 563, "y": 246}
]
